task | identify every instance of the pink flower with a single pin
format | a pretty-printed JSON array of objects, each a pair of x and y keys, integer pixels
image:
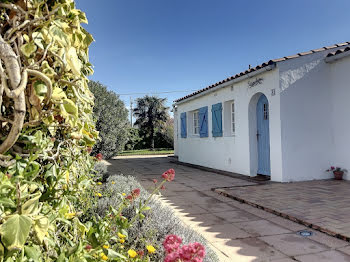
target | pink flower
[
  {"x": 99, "y": 156},
  {"x": 332, "y": 167},
  {"x": 172, "y": 243},
  {"x": 155, "y": 181},
  {"x": 172, "y": 257},
  {"x": 88, "y": 247},
  {"x": 192, "y": 252},
  {"x": 135, "y": 193},
  {"x": 162, "y": 187},
  {"x": 169, "y": 175}
]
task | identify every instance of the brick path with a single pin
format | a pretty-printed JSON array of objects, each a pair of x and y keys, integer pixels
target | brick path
[
  {"x": 240, "y": 232},
  {"x": 322, "y": 204}
]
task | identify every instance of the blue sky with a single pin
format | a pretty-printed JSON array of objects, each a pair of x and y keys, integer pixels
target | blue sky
[{"x": 170, "y": 45}]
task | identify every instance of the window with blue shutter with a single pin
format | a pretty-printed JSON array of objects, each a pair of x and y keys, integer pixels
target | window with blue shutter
[
  {"x": 183, "y": 125},
  {"x": 216, "y": 111},
  {"x": 203, "y": 121}
]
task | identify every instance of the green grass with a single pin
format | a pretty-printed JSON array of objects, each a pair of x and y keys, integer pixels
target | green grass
[{"x": 156, "y": 151}]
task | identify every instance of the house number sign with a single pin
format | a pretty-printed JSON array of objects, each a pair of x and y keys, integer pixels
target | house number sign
[{"x": 257, "y": 81}]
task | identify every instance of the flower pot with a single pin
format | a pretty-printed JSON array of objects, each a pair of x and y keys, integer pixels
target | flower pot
[{"x": 338, "y": 175}]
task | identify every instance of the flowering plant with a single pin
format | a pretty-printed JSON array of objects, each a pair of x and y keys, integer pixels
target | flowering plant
[
  {"x": 336, "y": 169},
  {"x": 193, "y": 252}
]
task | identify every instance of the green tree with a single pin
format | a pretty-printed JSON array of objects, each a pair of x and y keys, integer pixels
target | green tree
[
  {"x": 151, "y": 114},
  {"x": 111, "y": 121}
]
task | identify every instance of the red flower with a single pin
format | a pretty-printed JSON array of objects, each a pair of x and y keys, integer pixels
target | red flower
[
  {"x": 99, "y": 156},
  {"x": 141, "y": 253},
  {"x": 155, "y": 181},
  {"x": 169, "y": 175},
  {"x": 88, "y": 247},
  {"x": 136, "y": 192},
  {"x": 129, "y": 197},
  {"x": 332, "y": 167},
  {"x": 162, "y": 187}
]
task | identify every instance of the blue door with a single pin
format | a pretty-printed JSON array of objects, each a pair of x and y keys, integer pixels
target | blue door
[{"x": 263, "y": 136}]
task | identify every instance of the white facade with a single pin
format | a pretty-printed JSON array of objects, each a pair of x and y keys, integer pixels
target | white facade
[{"x": 309, "y": 113}]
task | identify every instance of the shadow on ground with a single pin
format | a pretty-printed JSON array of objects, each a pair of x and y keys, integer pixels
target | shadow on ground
[{"x": 237, "y": 231}]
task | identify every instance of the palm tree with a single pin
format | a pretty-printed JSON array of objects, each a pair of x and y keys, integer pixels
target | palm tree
[{"x": 151, "y": 114}]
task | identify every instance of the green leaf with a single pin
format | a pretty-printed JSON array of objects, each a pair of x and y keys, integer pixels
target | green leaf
[
  {"x": 74, "y": 61},
  {"x": 41, "y": 225},
  {"x": 14, "y": 232},
  {"x": 68, "y": 108},
  {"x": 38, "y": 39},
  {"x": 2, "y": 252},
  {"x": 33, "y": 253},
  {"x": 113, "y": 254},
  {"x": 6, "y": 202},
  {"x": 58, "y": 94},
  {"x": 28, "y": 49},
  {"x": 146, "y": 208},
  {"x": 58, "y": 34},
  {"x": 31, "y": 207}
]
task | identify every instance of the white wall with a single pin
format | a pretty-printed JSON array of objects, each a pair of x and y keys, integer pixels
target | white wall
[
  {"x": 176, "y": 132},
  {"x": 307, "y": 138},
  {"x": 233, "y": 153},
  {"x": 340, "y": 122}
]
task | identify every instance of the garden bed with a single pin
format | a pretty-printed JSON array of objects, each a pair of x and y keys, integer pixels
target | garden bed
[{"x": 159, "y": 221}]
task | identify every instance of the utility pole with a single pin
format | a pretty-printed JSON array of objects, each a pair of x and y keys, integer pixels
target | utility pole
[{"x": 131, "y": 112}]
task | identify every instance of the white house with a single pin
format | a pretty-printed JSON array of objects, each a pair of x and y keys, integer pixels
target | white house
[{"x": 288, "y": 118}]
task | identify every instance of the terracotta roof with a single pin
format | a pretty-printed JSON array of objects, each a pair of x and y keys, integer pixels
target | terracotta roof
[
  {"x": 273, "y": 61},
  {"x": 340, "y": 51}
]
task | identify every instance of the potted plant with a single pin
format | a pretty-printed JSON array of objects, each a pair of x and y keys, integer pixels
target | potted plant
[{"x": 338, "y": 172}]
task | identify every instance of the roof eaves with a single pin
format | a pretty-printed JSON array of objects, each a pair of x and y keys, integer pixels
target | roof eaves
[{"x": 270, "y": 62}]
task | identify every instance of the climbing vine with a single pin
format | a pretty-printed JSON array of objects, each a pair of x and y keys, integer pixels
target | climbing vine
[{"x": 46, "y": 130}]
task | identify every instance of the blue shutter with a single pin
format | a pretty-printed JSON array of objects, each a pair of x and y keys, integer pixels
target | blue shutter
[
  {"x": 183, "y": 125},
  {"x": 203, "y": 121},
  {"x": 216, "y": 111}
]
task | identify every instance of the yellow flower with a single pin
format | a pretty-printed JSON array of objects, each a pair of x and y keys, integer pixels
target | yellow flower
[
  {"x": 151, "y": 249},
  {"x": 113, "y": 182},
  {"x": 69, "y": 215},
  {"x": 132, "y": 253},
  {"x": 105, "y": 246},
  {"x": 104, "y": 257},
  {"x": 120, "y": 235},
  {"x": 121, "y": 246},
  {"x": 98, "y": 194},
  {"x": 123, "y": 194},
  {"x": 99, "y": 183},
  {"x": 122, "y": 240}
]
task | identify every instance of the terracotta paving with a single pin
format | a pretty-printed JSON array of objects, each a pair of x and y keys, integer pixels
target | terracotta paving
[
  {"x": 241, "y": 232},
  {"x": 324, "y": 205}
]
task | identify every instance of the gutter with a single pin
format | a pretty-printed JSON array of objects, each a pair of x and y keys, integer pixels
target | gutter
[
  {"x": 334, "y": 58},
  {"x": 236, "y": 80}
]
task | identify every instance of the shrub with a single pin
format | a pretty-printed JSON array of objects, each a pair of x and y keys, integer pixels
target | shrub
[
  {"x": 111, "y": 121},
  {"x": 159, "y": 221},
  {"x": 134, "y": 139}
]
